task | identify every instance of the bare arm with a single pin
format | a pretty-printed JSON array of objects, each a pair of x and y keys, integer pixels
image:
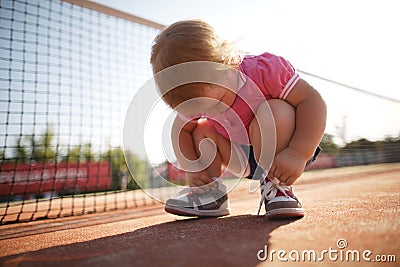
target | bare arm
[
  {"x": 183, "y": 145},
  {"x": 310, "y": 118},
  {"x": 310, "y": 108},
  {"x": 182, "y": 142}
]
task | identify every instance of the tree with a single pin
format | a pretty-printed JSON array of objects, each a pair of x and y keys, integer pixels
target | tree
[
  {"x": 328, "y": 145},
  {"x": 20, "y": 152},
  {"x": 120, "y": 168},
  {"x": 360, "y": 145},
  {"x": 38, "y": 149},
  {"x": 80, "y": 153}
]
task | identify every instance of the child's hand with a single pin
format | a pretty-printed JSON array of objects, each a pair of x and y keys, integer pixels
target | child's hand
[
  {"x": 287, "y": 166},
  {"x": 198, "y": 180}
]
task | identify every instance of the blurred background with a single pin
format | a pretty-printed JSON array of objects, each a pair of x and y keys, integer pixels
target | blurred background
[{"x": 69, "y": 69}]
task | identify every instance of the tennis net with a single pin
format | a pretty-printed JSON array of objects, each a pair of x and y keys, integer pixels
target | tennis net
[{"x": 67, "y": 74}]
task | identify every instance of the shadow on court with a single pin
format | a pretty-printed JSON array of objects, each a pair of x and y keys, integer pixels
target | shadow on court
[{"x": 226, "y": 241}]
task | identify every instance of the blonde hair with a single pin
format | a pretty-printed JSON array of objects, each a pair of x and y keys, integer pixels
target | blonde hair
[{"x": 187, "y": 41}]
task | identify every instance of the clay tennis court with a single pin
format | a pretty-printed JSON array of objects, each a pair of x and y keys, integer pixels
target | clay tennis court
[{"x": 348, "y": 210}]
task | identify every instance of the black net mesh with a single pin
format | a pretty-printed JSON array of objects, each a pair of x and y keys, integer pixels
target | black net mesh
[{"x": 67, "y": 75}]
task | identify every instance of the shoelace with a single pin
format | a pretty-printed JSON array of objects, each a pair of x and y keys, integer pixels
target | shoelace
[
  {"x": 269, "y": 188},
  {"x": 188, "y": 190}
]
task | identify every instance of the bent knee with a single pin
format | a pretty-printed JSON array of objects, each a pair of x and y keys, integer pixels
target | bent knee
[
  {"x": 284, "y": 113},
  {"x": 203, "y": 129},
  {"x": 280, "y": 109}
]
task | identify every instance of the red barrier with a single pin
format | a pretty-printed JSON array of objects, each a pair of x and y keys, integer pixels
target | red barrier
[
  {"x": 323, "y": 161},
  {"x": 19, "y": 179}
]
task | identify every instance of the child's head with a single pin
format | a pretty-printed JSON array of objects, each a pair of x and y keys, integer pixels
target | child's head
[{"x": 187, "y": 41}]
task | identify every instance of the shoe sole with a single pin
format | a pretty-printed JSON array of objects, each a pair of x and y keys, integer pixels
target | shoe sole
[
  {"x": 285, "y": 213},
  {"x": 196, "y": 213}
]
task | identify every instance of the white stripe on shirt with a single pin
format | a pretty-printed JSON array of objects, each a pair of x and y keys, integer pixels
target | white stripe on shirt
[{"x": 289, "y": 86}]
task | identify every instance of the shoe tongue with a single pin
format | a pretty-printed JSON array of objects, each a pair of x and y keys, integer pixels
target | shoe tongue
[{"x": 279, "y": 193}]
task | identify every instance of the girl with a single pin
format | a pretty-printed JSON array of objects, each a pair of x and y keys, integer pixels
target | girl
[{"x": 230, "y": 122}]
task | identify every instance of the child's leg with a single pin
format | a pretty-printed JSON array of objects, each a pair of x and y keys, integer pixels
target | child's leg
[
  {"x": 279, "y": 200},
  {"x": 261, "y": 136},
  {"x": 231, "y": 157},
  {"x": 212, "y": 151}
]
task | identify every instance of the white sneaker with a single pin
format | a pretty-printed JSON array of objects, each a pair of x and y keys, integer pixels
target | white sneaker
[
  {"x": 212, "y": 203},
  {"x": 279, "y": 200}
]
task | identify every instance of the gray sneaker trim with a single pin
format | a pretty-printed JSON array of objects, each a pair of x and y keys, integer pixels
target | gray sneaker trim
[{"x": 282, "y": 204}]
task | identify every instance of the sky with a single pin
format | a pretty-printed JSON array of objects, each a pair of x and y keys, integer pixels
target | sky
[{"x": 352, "y": 42}]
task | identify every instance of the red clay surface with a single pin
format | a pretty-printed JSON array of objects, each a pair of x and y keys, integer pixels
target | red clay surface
[{"x": 359, "y": 206}]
